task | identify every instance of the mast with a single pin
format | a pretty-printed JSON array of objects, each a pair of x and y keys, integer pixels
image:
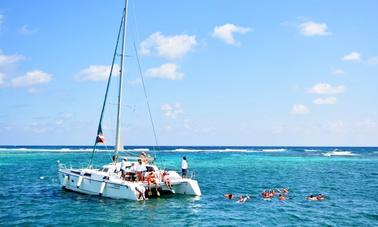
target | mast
[{"x": 119, "y": 104}]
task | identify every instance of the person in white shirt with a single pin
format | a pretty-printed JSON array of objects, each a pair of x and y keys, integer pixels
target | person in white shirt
[
  {"x": 140, "y": 169},
  {"x": 184, "y": 167},
  {"x": 123, "y": 167}
]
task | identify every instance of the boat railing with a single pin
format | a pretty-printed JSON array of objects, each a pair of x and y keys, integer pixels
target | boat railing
[{"x": 192, "y": 175}]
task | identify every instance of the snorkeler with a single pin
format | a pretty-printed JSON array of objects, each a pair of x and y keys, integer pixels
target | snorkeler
[
  {"x": 281, "y": 197},
  {"x": 228, "y": 196},
  {"x": 243, "y": 199},
  {"x": 318, "y": 197}
]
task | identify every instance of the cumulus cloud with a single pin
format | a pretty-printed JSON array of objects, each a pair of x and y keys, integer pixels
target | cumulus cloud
[
  {"x": 353, "y": 56},
  {"x": 172, "y": 110},
  {"x": 226, "y": 33},
  {"x": 325, "y": 101},
  {"x": 311, "y": 28},
  {"x": 97, "y": 73},
  {"x": 166, "y": 71},
  {"x": 31, "y": 78},
  {"x": 299, "y": 109},
  {"x": 169, "y": 47},
  {"x": 338, "y": 72},
  {"x": 10, "y": 59},
  {"x": 326, "y": 89}
]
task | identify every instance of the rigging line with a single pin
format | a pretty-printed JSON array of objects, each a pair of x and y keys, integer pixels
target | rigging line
[
  {"x": 107, "y": 88},
  {"x": 147, "y": 101},
  {"x": 141, "y": 75}
]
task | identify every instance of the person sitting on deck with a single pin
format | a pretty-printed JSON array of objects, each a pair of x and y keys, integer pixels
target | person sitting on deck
[
  {"x": 123, "y": 168},
  {"x": 166, "y": 180},
  {"x": 132, "y": 172},
  {"x": 144, "y": 158},
  {"x": 151, "y": 179},
  {"x": 140, "y": 169}
]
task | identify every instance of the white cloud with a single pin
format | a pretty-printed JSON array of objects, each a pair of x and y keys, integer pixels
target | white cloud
[
  {"x": 169, "y": 47},
  {"x": 325, "y": 101},
  {"x": 373, "y": 60},
  {"x": 353, "y": 56},
  {"x": 226, "y": 33},
  {"x": 172, "y": 110},
  {"x": 166, "y": 71},
  {"x": 25, "y": 30},
  {"x": 97, "y": 72},
  {"x": 2, "y": 79},
  {"x": 31, "y": 78},
  {"x": 299, "y": 109},
  {"x": 311, "y": 28},
  {"x": 324, "y": 88},
  {"x": 10, "y": 59},
  {"x": 338, "y": 72}
]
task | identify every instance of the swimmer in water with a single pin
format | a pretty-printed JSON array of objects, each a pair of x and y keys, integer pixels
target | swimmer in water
[
  {"x": 228, "y": 196},
  {"x": 281, "y": 197},
  {"x": 243, "y": 200},
  {"x": 318, "y": 197}
]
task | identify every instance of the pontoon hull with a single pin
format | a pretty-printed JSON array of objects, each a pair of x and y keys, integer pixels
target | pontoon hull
[{"x": 73, "y": 181}]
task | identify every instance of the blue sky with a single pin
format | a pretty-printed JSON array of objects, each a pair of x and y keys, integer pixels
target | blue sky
[{"x": 217, "y": 72}]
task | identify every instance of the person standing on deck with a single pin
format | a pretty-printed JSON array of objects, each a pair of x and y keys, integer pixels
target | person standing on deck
[{"x": 184, "y": 167}]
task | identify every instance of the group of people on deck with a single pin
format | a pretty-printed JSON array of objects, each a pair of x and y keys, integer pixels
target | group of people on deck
[{"x": 142, "y": 171}]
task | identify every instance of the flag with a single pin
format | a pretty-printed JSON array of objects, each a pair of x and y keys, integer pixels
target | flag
[{"x": 100, "y": 136}]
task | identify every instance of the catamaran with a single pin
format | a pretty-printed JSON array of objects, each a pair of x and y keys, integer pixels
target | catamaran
[{"x": 133, "y": 178}]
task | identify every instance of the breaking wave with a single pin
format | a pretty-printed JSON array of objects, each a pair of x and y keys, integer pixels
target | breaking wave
[
  {"x": 339, "y": 153},
  {"x": 274, "y": 150}
]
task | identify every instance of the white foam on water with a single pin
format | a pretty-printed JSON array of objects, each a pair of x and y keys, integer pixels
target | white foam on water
[
  {"x": 187, "y": 150},
  {"x": 274, "y": 150},
  {"x": 311, "y": 150},
  {"x": 140, "y": 149},
  {"x": 339, "y": 153},
  {"x": 215, "y": 150}
]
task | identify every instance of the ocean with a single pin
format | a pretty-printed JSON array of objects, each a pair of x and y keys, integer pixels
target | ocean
[{"x": 348, "y": 176}]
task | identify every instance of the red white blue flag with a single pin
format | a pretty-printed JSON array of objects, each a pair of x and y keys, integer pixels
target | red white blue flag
[{"x": 100, "y": 136}]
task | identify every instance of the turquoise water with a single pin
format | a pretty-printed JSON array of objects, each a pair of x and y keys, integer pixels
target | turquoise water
[{"x": 30, "y": 193}]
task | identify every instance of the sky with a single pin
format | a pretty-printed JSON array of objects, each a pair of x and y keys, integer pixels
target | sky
[{"x": 217, "y": 72}]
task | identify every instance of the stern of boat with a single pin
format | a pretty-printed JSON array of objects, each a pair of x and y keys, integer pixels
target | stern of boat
[{"x": 187, "y": 187}]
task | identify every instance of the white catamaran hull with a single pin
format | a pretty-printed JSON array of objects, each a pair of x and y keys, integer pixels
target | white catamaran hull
[{"x": 93, "y": 184}]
